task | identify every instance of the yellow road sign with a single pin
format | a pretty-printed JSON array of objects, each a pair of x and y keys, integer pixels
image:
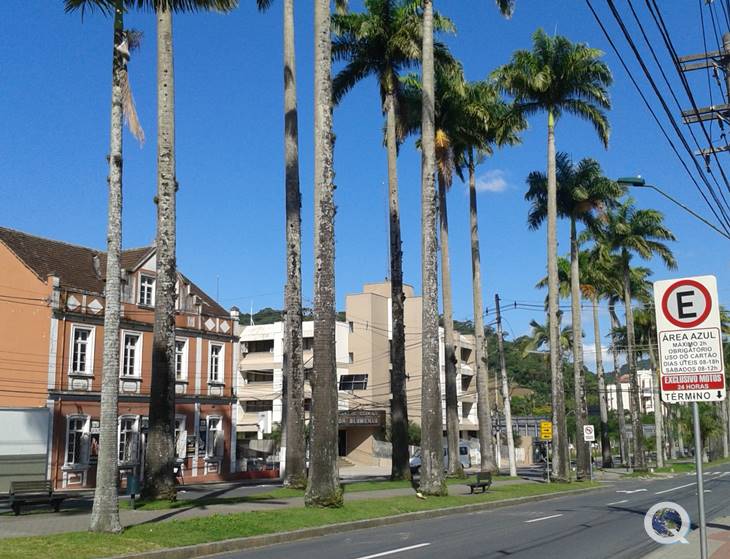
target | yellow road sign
[{"x": 546, "y": 431}]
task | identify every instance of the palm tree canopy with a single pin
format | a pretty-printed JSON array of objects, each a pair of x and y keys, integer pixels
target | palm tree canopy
[
  {"x": 540, "y": 337},
  {"x": 559, "y": 76},
  {"x": 583, "y": 191},
  {"x": 382, "y": 41},
  {"x": 107, "y": 6},
  {"x": 627, "y": 231}
]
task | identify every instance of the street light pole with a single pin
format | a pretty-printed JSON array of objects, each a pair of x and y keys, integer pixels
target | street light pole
[{"x": 641, "y": 183}]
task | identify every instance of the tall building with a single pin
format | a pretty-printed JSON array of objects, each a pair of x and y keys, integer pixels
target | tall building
[
  {"x": 646, "y": 391},
  {"x": 363, "y": 346},
  {"x": 51, "y": 353}
]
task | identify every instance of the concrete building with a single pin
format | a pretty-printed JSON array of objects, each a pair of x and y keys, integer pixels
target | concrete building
[
  {"x": 51, "y": 348},
  {"x": 363, "y": 369},
  {"x": 646, "y": 391}
]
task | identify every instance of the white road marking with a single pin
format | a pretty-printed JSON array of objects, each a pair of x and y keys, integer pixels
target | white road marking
[
  {"x": 543, "y": 518},
  {"x": 617, "y": 502},
  {"x": 723, "y": 474},
  {"x": 392, "y": 551},
  {"x": 675, "y": 488},
  {"x": 629, "y": 492}
]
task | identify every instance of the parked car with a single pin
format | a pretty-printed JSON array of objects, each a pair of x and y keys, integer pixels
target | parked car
[{"x": 464, "y": 458}]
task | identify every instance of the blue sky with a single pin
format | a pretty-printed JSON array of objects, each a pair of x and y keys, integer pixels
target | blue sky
[{"x": 56, "y": 89}]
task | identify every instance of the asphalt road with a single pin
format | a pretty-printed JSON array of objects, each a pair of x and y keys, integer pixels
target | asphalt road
[{"x": 606, "y": 523}]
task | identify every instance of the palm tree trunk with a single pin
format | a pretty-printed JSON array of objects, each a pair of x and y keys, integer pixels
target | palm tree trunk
[
  {"x": 505, "y": 395},
  {"x": 484, "y": 416},
  {"x": 295, "y": 474},
  {"x": 582, "y": 451},
  {"x": 399, "y": 403},
  {"x": 452, "y": 411},
  {"x": 725, "y": 431},
  {"x": 561, "y": 460},
  {"x": 105, "y": 513},
  {"x": 432, "y": 477},
  {"x": 323, "y": 489},
  {"x": 623, "y": 443},
  {"x": 160, "y": 453},
  {"x": 606, "y": 459},
  {"x": 658, "y": 418},
  {"x": 639, "y": 458}
]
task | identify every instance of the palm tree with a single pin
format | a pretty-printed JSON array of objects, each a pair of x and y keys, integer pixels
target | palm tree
[
  {"x": 645, "y": 331},
  {"x": 558, "y": 77},
  {"x": 625, "y": 232},
  {"x": 105, "y": 512},
  {"x": 293, "y": 434},
  {"x": 323, "y": 487},
  {"x": 496, "y": 125},
  {"x": 383, "y": 41},
  {"x": 432, "y": 479},
  {"x": 159, "y": 477},
  {"x": 582, "y": 192}
]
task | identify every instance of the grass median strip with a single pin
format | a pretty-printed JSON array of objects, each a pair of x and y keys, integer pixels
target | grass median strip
[{"x": 175, "y": 533}]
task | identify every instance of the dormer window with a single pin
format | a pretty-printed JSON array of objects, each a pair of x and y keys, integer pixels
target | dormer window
[{"x": 146, "y": 290}]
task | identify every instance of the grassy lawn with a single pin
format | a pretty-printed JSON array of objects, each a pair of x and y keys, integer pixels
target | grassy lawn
[
  {"x": 174, "y": 533},
  {"x": 282, "y": 493},
  {"x": 689, "y": 466}
]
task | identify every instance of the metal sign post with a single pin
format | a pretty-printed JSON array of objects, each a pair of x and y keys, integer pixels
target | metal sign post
[
  {"x": 546, "y": 434},
  {"x": 589, "y": 435},
  {"x": 691, "y": 367}
]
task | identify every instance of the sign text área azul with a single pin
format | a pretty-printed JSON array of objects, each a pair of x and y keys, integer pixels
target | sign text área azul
[{"x": 690, "y": 340}]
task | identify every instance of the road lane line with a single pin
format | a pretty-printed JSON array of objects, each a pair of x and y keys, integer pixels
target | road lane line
[
  {"x": 675, "y": 488},
  {"x": 617, "y": 502},
  {"x": 543, "y": 518},
  {"x": 392, "y": 551}
]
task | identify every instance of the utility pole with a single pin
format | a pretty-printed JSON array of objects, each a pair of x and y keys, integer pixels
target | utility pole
[
  {"x": 505, "y": 391},
  {"x": 719, "y": 61}
]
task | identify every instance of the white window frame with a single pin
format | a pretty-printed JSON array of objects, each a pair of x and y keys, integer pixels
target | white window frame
[
  {"x": 85, "y": 434},
  {"x": 211, "y": 441},
  {"x": 89, "y": 350},
  {"x": 185, "y": 359},
  {"x": 135, "y": 430},
  {"x": 181, "y": 436},
  {"x": 221, "y": 372},
  {"x": 352, "y": 381},
  {"x": 140, "y": 302},
  {"x": 137, "y": 354}
]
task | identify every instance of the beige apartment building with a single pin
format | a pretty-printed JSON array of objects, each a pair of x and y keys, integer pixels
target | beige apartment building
[{"x": 363, "y": 344}]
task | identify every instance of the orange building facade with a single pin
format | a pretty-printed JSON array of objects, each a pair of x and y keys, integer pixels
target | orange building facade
[{"x": 51, "y": 354}]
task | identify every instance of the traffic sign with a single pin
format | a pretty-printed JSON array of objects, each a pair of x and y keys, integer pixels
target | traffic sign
[
  {"x": 589, "y": 433},
  {"x": 546, "y": 431},
  {"x": 690, "y": 340}
]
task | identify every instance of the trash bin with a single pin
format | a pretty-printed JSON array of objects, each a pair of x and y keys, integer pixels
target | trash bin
[{"x": 132, "y": 485}]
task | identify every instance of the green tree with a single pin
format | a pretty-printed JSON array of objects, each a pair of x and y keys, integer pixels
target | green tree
[
  {"x": 558, "y": 77},
  {"x": 627, "y": 232},
  {"x": 105, "y": 512},
  {"x": 383, "y": 41},
  {"x": 323, "y": 487},
  {"x": 293, "y": 438},
  {"x": 159, "y": 477},
  {"x": 582, "y": 192}
]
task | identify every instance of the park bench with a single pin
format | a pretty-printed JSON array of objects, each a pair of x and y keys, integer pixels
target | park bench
[
  {"x": 33, "y": 492},
  {"x": 483, "y": 482}
]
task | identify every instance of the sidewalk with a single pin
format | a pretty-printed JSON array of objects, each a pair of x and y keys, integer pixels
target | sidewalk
[
  {"x": 718, "y": 543},
  {"x": 76, "y": 516}
]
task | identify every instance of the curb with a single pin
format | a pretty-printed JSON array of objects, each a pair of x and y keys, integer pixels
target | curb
[{"x": 251, "y": 542}]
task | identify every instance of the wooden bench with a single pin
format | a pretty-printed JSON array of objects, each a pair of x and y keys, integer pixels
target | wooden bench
[
  {"x": 33, "y": 492},
  {"x": 483, "y": 482}
]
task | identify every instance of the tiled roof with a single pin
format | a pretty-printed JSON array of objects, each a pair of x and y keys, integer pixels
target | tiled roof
[{"x": 75, "y": 266}]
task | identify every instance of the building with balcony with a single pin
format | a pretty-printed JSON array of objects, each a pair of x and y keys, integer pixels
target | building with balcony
[
  {"x": 363, "y": 346},
  {"x": 51, "y": 346},
  {"x": 646, "y": 391}
]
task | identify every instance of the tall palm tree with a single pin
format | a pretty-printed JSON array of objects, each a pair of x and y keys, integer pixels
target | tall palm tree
[
  {"x": 383, "y": 41},
  {"x": 160, "y": 457},
  {"x": 582, "y": 192},
  {"x": 293, "y": 434},
  {"x": 558, "y": 77},
  {"x": 625, "y": 232},
  {"x": 499, "y": 126},
  {"x": 105, "y": 512},
  {"x": 432, "y": 478},
  {"x": 323, "y": 487}
]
